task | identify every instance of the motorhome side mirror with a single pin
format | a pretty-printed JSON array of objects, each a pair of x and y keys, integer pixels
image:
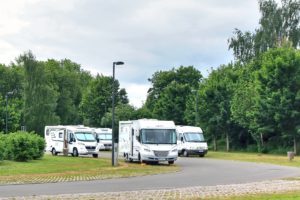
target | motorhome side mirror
[{"x": 182, "y": 139}]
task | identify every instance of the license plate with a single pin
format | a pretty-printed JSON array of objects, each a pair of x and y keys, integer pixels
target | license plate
[{"x": 201, "y": 151}]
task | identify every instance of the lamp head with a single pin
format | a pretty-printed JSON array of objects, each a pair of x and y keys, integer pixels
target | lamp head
[{"x": 119, "y": 63}]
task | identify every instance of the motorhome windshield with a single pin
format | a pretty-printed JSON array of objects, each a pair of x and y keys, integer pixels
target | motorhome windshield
[
  {"x": 194, "y": 137},
  {"x": 104, "y": 136},
  {"x": 85, "y": 136},
  {"x": 158, "y": 136}
]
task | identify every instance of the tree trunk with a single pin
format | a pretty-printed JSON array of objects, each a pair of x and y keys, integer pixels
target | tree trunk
[
  {"x": 261, "y": 139},
  {"x": 227, "y": 142},
  {"x": 215, "y": 143}
]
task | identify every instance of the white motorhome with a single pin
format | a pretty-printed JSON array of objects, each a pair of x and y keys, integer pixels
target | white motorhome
[
  {"x": 74, "y": 140},
  {"x": 148, "y": 140},
  {"x": 191, "y": 141},
  {"x": 104, "y": 138}
]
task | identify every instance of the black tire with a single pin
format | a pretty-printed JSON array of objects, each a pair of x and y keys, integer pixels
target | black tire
[
  {"x": 140, "y": 159},
  {"x": 185, "y": 153},
  {"x": 201, "y": 155},
  {"x": 54, "y": 153},
  {"x": 75, "y": 152},
  {"x": 125, "y": 157},
  {"x": 95, "y": 155},
  {"x": 171, "y": 162}
]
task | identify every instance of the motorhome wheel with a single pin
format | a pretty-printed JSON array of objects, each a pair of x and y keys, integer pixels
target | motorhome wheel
[
  {"x": 54, "y": 153},
  {"x": 95, "y": 155},
  {"x": 75, "y": 152},
  {"x": 185, "y": 153}
]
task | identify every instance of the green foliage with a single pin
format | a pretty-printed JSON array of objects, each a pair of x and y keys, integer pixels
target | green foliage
[
  {"x": 279, "y": 79},
  {"x": 11, "y": 80},
  {"x": 69, "y": 81},
  {"x": 171, "y": 104},
  {"x": 40, "y": 97},
  {"x": 97, "y": 98},
  {"x": 278, "y": 26},
  {"x": 23, "y": 146},
  {"x": 215, "y": 100},
  {"x": 2, "y": 147},
  {"x": 167, "y": 99}
]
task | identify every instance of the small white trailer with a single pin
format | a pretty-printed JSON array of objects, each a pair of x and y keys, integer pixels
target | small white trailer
[
  {"x": 191, "y": 141},
  {"x": 74, "y": 140},
  {"x": 146, "y": 140},
  {"x": 104, "y": 138}
]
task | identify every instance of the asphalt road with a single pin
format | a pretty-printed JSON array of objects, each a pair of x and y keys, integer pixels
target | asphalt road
[{"x": 195, "y": 172}]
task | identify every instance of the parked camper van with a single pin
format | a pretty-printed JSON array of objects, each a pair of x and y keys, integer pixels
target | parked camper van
[
  {"x": 104, "y": 138},
  {"x": 148, "y": 140},
  {"x": 74, "y": 140},
  {"x": 191, "y": 141}
]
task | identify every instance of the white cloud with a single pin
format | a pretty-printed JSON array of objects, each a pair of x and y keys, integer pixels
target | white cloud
[{"x": 137, "y": 93}]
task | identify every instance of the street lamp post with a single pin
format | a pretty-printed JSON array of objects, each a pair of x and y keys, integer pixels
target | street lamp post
[
  {"x": 114, "y": 136},
  {"x": 6, "y": 112}
]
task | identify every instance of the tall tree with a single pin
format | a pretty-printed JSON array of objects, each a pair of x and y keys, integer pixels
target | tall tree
[
  {"x": 66, "y": 79},
  {"x": 214, "y": 104},
  {"x": 39, "y": 96},
  {"x": 171, "y": 104},
  {"x": 279, "y": 78},
  {"x": 278, "y": 25},
  {"x": 169, "y": 92}
]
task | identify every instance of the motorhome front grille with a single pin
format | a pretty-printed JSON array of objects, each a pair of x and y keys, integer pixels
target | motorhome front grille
[
  {"x": 161, "y": 153},
  {"x": 90, "y": 148}
]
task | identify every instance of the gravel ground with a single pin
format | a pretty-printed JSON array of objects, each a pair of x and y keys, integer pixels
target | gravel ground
[{"x": 199, "y": 192}]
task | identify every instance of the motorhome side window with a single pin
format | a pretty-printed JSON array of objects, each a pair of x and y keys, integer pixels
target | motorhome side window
[
  {"x": 71, "y": 139},
  {"x": 138, "y": 137},
  {"x": 60, "y": 135}
]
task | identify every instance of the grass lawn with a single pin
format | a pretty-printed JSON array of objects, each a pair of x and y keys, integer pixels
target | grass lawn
[
  {"x": 286, "y": 196},
  {"x": 255, "y": 157},
  {"x": 60, "y": 168}
]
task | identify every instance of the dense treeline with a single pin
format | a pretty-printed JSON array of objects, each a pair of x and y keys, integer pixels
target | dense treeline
[
  {"x": 251, "y": 104},
  {"x": 38, "y": 93}
]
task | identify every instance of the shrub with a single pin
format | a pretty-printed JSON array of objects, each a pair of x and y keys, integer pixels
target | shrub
[
  {"x": 38, "y": 146},
  {"x": 2, "y": 147},
  {"x": 23, "y": 146}
]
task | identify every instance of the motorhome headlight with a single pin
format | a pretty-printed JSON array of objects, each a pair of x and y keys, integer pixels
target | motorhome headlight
[
  {"x": 174, "y": 150},
  {"x": 147, "y": 150},
  {"x": 80, "y": 143}
]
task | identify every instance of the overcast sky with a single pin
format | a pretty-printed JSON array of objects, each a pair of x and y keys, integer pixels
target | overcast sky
[{"x": 148, "y": 35}]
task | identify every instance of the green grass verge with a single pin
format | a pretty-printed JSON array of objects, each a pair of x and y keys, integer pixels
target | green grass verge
[
  {"x": 61, "y": 168},
  {"x": 255, "y": 157},
  {"x": 295, "y": 195}
]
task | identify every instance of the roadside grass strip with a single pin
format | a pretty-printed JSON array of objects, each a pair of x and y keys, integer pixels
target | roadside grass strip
[
  {"x": 52, "y": 169},
  {"x": 255, "y": 157}
]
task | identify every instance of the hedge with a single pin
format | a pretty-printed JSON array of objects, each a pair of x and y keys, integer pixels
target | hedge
[
  {"x": 2, "y": 146},
  {"x": 23, "y": 146}
]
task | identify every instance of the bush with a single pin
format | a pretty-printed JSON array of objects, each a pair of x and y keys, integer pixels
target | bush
[
  {"x": 2, "y": 147},
  {"x": 23, "y": 146}
]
